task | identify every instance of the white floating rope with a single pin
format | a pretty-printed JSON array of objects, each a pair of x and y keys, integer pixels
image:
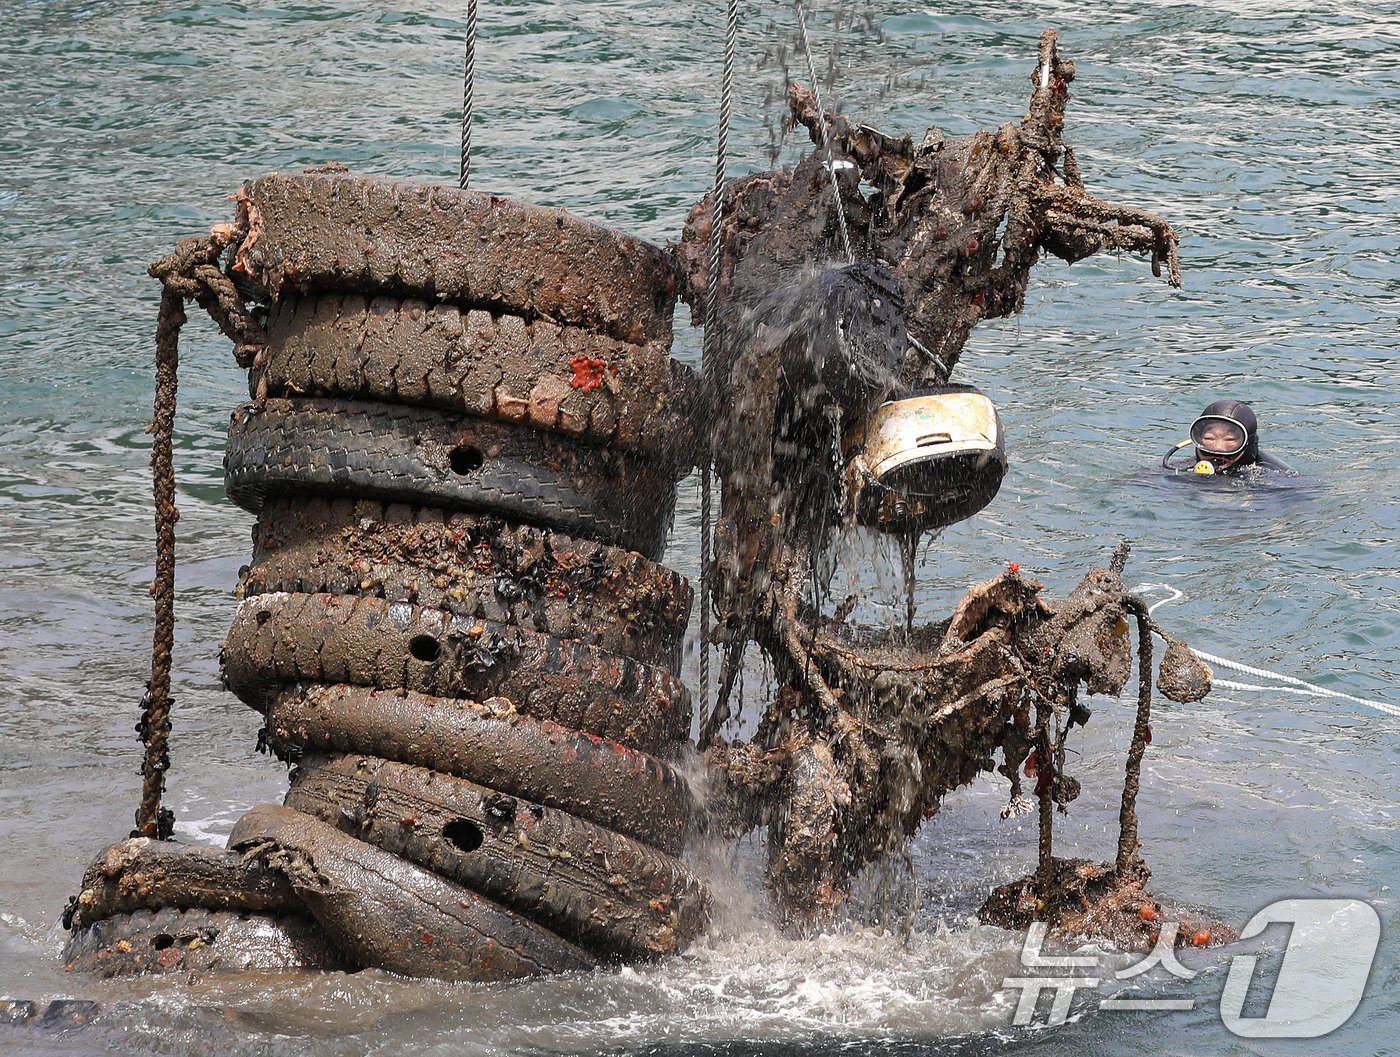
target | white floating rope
[{"x": 1291, "y": 685}]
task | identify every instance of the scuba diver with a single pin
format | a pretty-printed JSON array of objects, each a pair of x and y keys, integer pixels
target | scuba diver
[{"x": 1226, "y": 437}]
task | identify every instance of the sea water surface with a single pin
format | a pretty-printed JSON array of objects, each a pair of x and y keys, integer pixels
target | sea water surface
[{"x": 1268, "y": 135}]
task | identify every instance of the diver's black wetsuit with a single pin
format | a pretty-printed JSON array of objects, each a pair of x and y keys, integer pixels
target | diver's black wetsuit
[{"x": 1270, "y": 462}]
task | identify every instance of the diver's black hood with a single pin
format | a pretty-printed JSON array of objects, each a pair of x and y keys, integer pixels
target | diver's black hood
[{"x": 1244, "y": 415}]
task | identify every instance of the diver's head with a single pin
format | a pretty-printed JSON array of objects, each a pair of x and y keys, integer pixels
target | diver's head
[{"x": 1226, "y": 435}]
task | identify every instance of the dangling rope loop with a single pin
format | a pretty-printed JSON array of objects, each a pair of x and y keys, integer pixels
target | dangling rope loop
[
  {"x": 468, "y": 87},
  {"x": 154, "y": 727},
  {"x": 192, "y": 272}
]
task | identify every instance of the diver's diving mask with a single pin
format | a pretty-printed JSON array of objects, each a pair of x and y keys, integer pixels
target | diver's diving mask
[{"x": 1203, "y": 426}]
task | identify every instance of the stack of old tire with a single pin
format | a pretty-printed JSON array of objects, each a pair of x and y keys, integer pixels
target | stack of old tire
[{"x": 463, "y": 450}]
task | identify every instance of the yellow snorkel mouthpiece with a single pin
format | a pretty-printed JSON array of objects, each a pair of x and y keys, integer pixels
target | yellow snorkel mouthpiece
[{"x": 1205, "y": 468}]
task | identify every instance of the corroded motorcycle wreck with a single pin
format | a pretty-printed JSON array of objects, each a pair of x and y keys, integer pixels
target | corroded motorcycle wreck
[
  {"x": 867, "y": 732},
  {"x": 462, "y": 448}
]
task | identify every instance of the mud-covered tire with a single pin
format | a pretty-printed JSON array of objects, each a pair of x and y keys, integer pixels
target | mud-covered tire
[
  {"x": 282, "y": 639},
  {"x": 413, "y": 455},
  {"x": 473, "y": 566},
  {"x": 613, "y": 896},
  {"x": 197, "y": 940},
  {"x": 624, "y": 790},
  {"x": 387, "y": 913},
  {"x": 330, "y": 230},
  {"x": 588, "y": 386},
  {"x": 144, "y": 874}
]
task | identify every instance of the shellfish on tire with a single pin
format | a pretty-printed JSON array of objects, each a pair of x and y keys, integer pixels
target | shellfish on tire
[
  {"x": 622, "y": 789},
  {"x": 144, "y": 874},
  {"x": 281, "y": 639},
  {"x": 198, "y": 940},
  {"x": 327, "y": 229},
  {"x": 414, "y": 455},
  {"x": 611, "y": 895},
  {"x": 473, "y": 565}
]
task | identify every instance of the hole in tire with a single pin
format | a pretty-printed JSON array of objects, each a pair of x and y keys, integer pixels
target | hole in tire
[
  {"x": 424, "y": 647},
  {"x": 464, "y": 459},
  {"x": 162, "y": 941},
  {"x": 464, "y": 834}
]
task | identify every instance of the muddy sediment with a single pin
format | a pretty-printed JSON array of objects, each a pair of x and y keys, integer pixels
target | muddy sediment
[
  {"x": 588, "y": 386},
  {"x": 332, "y": 231}
]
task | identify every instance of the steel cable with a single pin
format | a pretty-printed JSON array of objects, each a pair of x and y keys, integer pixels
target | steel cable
[
  {"x": 711, "y": 343},
  {"x": 468, "y": 86},
  {"x": 825, "y": 139}
]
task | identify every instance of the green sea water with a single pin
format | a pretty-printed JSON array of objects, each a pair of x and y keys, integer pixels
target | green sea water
[{"x": 1269, "y": 138}]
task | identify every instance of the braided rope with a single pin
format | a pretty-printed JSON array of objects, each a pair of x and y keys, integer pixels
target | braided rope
[
  {"x": 192, "y": 273},
  {"x": 154, "y": 726},
  {"x": 1299, "y": 687},
  {"x": 1293, "y": 685}
]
